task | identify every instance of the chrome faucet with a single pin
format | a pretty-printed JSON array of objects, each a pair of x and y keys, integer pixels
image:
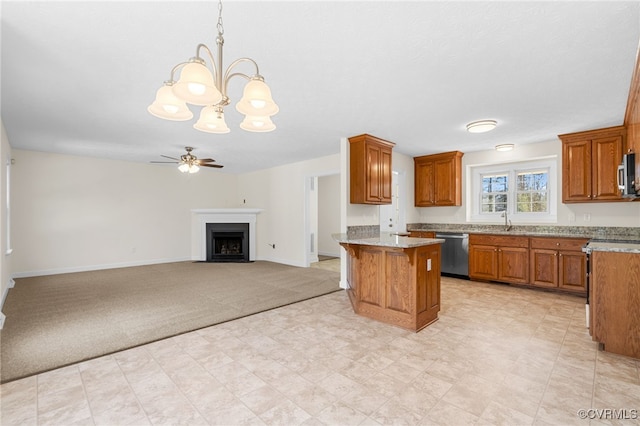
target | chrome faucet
[{"x": 507, "y": 222}]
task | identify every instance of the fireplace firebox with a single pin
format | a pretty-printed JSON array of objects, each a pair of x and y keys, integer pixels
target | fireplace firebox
[{"x": 227, "y": 242}]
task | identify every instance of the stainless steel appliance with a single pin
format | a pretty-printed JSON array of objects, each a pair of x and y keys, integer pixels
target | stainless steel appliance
[
  {"x": 627, "y": 179},
  {"x": 455, "y": 254}
]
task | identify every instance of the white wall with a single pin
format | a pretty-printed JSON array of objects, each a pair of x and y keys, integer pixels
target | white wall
[
  {"x": 78, "y": 213},
  {"x": 280, "y": 191},
  {"x": 328, "y": 214},
  {"x": 625, "y": 214},
  {"x": 362, "y": 214}
]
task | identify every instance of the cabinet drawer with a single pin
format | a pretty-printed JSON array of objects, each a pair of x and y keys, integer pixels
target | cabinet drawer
[
  {"x": 549, "y": 243},
  {"x": 499, "y": 240},
  {"x": 422, "y": 234}
]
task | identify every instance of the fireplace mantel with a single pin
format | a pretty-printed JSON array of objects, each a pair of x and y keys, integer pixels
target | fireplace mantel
[{"x": 200, "y": 218}]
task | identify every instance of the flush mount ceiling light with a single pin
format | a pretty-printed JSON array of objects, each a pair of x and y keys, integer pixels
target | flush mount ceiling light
[
  {"x": 504, "y": 147},
  {"x": 481, "y": 126},
  {"x": 200, "y": 85}
]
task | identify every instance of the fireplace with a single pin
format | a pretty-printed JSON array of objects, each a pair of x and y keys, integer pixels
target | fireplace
[
  {"x": 201, "y": 218},
  {"x": 227, "y": 242}
]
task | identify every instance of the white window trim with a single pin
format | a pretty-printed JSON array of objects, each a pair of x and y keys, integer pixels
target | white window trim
[{"x": 474, "y": 189}]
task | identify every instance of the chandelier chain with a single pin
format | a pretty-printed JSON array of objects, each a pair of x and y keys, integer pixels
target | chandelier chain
[{"x": 219, "y": 25}]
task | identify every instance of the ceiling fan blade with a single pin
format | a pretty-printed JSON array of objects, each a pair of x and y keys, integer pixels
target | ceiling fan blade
[
  {"x": 217, "y": 166},
  {"x": 165, "y": 162},
  {"x": 206, "y": 160},
  {"x": 166, "y": 156}
]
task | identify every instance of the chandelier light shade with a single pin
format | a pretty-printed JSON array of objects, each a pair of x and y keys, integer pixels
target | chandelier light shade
[
  {"x": 257, "y": 124},
  {"x": 169, "y": 107},
  {"x": 196, "y": 85},
  {"x": 257, "y": 100},
  {"x": 206, "y": 85},
  {"x": 481, "y": 126},
  {"x": 211, "y": 120}
]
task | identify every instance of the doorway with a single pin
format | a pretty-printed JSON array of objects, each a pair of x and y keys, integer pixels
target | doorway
[
  {"x": 322, "y": 218},
  {"x": 392, "y": 216}
]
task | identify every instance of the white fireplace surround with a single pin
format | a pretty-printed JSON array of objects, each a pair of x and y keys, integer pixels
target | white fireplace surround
[{"x": 200, "y": 218}]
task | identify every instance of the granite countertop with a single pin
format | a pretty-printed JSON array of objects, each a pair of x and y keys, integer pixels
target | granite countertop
[
  {"x": 618, "y": 246},
  {"x": 631, "y": 234},
  {"x": 387, "y": 240}
]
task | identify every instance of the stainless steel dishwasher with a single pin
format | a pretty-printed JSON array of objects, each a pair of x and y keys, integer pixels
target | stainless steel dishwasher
[{"x": 455, "y": 254}]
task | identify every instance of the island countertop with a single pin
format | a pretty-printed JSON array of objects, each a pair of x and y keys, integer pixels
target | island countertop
[
  {"x": 617, "y": 246},
  {"x": 385, "y": 239}
]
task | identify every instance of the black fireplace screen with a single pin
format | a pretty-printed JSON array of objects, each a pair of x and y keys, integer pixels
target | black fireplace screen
[{"x": 227, "y": 242}]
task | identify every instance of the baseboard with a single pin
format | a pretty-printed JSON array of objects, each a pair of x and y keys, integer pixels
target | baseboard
[
  {"x": 95, "y": 267},
  {"x": 326, "y": 253},
  {"x": 283, "y": 261}
]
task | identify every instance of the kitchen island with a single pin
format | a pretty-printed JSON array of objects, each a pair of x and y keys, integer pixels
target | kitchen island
[
  {"x": 394, "y": 279},
  {"x": 614, "y": 296}
]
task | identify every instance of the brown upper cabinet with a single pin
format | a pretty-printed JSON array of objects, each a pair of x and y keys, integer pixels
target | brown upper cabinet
[
  {"x": 438, "y": 179},
  {"x": 370, "y": 170},
  {"x": 590, "y": 164}
]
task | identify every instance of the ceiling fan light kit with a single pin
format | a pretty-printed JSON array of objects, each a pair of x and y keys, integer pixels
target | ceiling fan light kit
[
  {"x": 189, "y": 163},
  {"x": 199, "y": 85},
  {"x": 481, "y": 126}
]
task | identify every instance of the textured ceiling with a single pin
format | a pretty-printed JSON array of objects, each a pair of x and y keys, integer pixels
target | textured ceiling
[{"x": 77, "y": 77}]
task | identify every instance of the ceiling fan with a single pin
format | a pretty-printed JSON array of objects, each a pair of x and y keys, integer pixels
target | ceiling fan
[{"x": 189, "y": 162}]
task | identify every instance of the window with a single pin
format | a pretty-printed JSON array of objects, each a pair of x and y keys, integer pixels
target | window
[
  {"x": 525, "y": 190},
  {"x": 494, "y": 192},
  {"x": 531, "y": 191}
]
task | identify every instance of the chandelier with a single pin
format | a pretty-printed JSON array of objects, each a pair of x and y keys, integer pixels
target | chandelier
[{"x": 198, "y": 85}]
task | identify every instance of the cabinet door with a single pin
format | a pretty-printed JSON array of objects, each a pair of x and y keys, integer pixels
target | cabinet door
[
  {"x": 374, "y": 173},
  {"x": 370, "y": 276},
  {"x": 445, "y": 190},
  {"x": 513, "y": 264},
  {"x": 424, "y": 184},
  {"x": 544, "y": 267},
  {"x": 576, "y": 171},
  {"x": 483, "y": 262},
  {"x": 386, "y": 171},
  {"x": 606, "y": 154},
  {"x": 572, "y": 271}
]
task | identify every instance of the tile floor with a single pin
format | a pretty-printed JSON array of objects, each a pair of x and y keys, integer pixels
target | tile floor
[{"x": 498, "y": 355}]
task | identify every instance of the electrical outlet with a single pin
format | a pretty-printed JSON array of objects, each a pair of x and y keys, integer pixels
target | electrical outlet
[
  {"x": 428, "y": 264},
  {"x": 587, "y": 217},
  {"x": 572, "y": 217}
]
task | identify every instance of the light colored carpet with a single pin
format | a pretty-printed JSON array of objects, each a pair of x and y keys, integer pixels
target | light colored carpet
[{"x": 57, "y": 320}]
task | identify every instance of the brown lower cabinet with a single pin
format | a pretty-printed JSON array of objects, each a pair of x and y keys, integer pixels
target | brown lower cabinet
[
  {"x": 549, "y": 262},
  {"x": 422, "y": 234},
  {"x": 559, "y": 263},
  {"x": 499, "y": 258}
]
